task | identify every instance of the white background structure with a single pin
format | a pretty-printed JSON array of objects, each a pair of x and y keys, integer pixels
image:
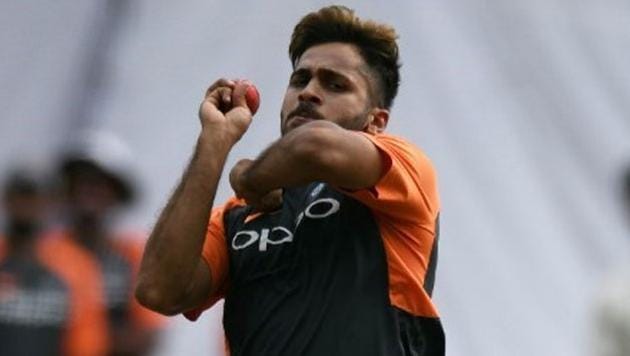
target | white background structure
[{"x": 523, "y": 106}]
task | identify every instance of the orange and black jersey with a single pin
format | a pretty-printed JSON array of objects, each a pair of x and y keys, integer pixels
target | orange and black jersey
[
  {"x": 117, "y": 262},
  {"x": 50, "y": 303},
  {"x": 333, "y": 272}
]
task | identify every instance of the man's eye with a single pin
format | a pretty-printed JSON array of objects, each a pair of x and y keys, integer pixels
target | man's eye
[
  {"x": 298, "y": 81},
  {"x": 336, "y": 86}
]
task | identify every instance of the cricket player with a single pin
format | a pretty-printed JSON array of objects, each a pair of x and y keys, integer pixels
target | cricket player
[{"x": 329, "y": 246}]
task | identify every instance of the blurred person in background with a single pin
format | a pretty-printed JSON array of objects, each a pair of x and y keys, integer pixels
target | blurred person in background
[
  {"x": 612, "y": 310},
  {"x": 50, "y": 297},
  {"x": 329, "y": 247},
  {"x": 96, "y": 178}
]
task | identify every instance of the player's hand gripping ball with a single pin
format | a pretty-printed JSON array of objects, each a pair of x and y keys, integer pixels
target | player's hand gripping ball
[{"x": 251, "y": 97}]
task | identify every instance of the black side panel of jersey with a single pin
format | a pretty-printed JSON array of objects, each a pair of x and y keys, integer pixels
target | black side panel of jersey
[
  {"x": 33, "y": 309},
  {"x": 420, "y": 336},
  {"x": 429, "y": 279},
  {"x": 309, "y": 279}
]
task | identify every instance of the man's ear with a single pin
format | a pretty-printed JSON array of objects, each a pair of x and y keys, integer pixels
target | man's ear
[{"x": 377, "y": 121}]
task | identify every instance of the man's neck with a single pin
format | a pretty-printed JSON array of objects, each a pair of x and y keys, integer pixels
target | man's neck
[{"x": 90, "y": 234}]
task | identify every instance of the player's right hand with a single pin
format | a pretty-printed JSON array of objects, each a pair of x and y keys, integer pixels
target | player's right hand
[{"x": 223, "y": 113}]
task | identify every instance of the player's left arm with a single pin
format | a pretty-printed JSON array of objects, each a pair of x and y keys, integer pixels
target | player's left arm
[{"x": 316, "y": 151}]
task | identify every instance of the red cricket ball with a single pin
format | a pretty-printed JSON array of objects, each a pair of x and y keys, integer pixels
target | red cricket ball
[{"x": 253, "y": 98}]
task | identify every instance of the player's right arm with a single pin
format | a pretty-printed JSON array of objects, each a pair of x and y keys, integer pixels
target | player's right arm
[{"x": 173, "y": 277}]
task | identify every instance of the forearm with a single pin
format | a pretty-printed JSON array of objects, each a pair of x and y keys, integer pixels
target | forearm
[
  {"x": 173, "y": 250},
  {"x": 288, "y": 162},
  {"x": 317, "y": 151}
]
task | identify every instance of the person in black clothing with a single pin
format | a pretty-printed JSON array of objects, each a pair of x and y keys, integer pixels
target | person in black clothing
[
  {"x": 97, "y": 181},
  {"x": 46, "y": 308},
  {"x": 24, "y": 279},
  {"x": 329, "y": 246}
]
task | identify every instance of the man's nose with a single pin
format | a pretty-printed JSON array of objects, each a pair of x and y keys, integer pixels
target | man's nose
[{"x": 310, "y": 93}]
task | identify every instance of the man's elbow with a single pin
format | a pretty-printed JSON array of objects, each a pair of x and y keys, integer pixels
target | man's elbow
[{"x": 155, "y": 299}]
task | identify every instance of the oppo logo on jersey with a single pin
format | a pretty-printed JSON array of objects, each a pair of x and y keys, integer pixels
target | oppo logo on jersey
[{"x": 277, "y": 235}]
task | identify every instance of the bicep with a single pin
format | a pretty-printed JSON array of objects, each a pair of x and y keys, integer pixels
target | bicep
[
  {"x": 407, "y": 188},
  {"x": 208, "y": 283}
]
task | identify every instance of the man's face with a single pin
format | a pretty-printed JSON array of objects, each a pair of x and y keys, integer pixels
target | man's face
[
  {"x": 91, "y": 193},
  {"x": 330, "y": 82},
  {"x": 25, "y": 213}
]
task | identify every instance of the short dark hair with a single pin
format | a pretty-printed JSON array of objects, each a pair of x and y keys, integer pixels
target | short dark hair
[
  {"x": 376, "y": 43},
  {"x": 22, "y": 182}
]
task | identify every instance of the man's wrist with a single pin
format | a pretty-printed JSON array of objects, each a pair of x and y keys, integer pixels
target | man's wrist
[{"x": 218, "y": 143}]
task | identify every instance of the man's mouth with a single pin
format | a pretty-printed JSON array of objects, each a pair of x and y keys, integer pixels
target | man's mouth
[
  {"x": 303, "y": 114},
  {"x": 299, "y": 120}
]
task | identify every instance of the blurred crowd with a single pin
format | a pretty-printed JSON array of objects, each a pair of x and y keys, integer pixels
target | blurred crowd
[{"x": 66, "y": 273}]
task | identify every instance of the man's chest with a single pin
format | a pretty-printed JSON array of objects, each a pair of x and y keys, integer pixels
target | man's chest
[{"x": 314, "y": 223}]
